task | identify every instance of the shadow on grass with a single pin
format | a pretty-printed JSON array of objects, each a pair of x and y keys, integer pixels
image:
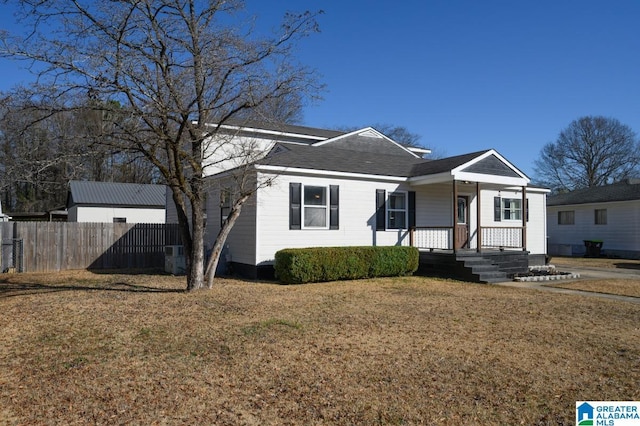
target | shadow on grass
[
  {"x": 8, "y": 289},
  {"x": 635, "y": 266}
]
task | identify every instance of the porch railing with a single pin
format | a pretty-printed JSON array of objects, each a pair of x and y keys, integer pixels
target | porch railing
[
  {"x": 432, "y": 237},
  {"x": 441, "y": 237},
  {"x": 502, "y": 237}
]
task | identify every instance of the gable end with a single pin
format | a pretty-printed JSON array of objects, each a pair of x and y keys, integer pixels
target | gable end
[{"x": 491, "y": 165}]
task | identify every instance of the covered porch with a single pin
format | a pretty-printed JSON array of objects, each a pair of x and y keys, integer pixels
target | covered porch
[
  {"x": 480, "y": 216},
  {"x": 481, "y": 235},
  {"x": 469, "y": 230}
]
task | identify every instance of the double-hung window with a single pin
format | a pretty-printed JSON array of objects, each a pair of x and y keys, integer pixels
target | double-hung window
[
  {"x": 566, "y": 217},
  {"x": 397, "y": 210},
  {"x": 511, "y": 209},
  {"x": 315, "y": 207},
  {"x": 600, "y": 216}
]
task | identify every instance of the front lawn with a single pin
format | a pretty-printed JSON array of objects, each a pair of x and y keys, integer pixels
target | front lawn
[{"x": 83, "y": 348}]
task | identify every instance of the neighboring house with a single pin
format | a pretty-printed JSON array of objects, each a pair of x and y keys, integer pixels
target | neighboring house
[
  {"x": 362, "y": 188},
  {"x": 116, "y": 202},
  {"x": 609, "y": 215}
]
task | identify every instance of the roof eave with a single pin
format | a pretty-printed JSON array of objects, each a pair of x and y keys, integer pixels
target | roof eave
[
  {"x": 450, "y": 176},
  {"x": 298, "y": 170}
]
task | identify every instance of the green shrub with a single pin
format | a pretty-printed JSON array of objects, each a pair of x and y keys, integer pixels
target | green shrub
[{"x": 316, "y": 264}]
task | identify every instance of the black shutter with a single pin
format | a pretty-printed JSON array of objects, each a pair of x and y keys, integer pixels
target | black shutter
[
  {"x": 497, "y": 204},
  {"x": 295, "y": 205},
  {"x": 334, "y": 200},
  {"x": 412, "y": 209},
  {"x": 527, "y": 204},
  {"x": 381, "y": 198}
]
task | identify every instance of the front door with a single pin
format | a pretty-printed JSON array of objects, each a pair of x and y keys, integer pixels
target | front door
[{"x": 462, "y": 223}]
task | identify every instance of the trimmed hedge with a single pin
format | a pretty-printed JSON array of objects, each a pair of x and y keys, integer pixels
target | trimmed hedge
[{"x": 316, "y": 264}]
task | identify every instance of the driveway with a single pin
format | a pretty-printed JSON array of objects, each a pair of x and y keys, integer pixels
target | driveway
[{"x": 585, "y": 273}]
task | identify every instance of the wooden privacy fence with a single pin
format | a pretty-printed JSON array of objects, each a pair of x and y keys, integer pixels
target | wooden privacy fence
[{"x": 57, "y": 246}]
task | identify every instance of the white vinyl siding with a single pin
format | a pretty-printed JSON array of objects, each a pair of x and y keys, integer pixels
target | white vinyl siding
[
  {"x": 107, "y": 214},
  {"x": 622, "y": 231},
  {"x": 536, "y": 225},
  {"x": 356, "y": 209},
  {"x": 263, "y": 226}
]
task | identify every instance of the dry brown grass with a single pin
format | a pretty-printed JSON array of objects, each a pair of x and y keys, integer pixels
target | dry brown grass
[
  {"x": 81, "y": 348},
  {"x": 620, "y": 287},
  {"x": 596, "y": 262},
  {"x": 625, "y": 286}
]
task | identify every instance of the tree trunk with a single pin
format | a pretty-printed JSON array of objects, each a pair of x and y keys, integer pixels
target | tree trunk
[
  {"x": 222, "y": 238},
  {"x": 195, "y": 268}
]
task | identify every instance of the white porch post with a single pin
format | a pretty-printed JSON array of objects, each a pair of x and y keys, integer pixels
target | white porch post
[
  {"x": 455, "y": 216},
  {"x": 478, "y": 219},
  {"x": 524, "y": 218}
]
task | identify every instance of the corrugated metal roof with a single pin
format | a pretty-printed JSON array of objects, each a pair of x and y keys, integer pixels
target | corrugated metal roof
[{"x": 116, "y": 194}]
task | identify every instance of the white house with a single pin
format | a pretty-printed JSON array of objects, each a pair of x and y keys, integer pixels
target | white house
[
  {"x": 330, "y": 188},
  {"x": 115, "y": 202},
  {"x": 606, "y": 215}
]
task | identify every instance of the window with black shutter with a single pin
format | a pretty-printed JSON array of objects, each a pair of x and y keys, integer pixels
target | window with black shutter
[{"x": 313, "y": 206}]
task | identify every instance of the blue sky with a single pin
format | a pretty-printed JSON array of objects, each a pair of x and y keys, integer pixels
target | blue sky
[{"x": 466, "y": 75}]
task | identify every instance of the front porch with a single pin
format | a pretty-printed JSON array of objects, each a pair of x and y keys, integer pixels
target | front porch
[
  {"x": 470, "y": 218},
  {"x": 477, "y": 246}
]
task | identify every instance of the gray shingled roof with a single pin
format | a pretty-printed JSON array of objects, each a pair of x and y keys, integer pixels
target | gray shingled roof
[
  {"x": 116, "y": 194},
  {"x": 376, "y": 161},
  {"x": 286, "y": 128},
  {"x": 444, "y": 164},
  {"x": 363, "y": 143},
  {"x": 622, "y": 191},
  {"x": 329, "y": 158}
]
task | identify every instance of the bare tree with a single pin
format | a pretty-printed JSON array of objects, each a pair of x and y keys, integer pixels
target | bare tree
[
  {"x": 399, "y": 134},
  {"x": 591, "y": 151},
  {"x": 45, "y": 143},
  {"x": 175, "y": 66}
]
